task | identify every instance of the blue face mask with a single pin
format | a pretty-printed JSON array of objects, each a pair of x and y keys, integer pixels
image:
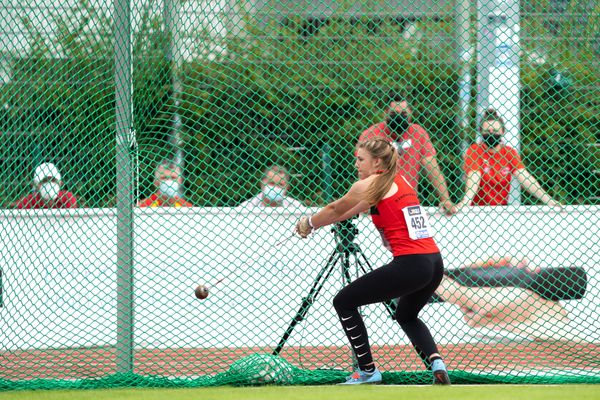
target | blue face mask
[
  {"x": 169, "y": 188},
  {"x": 273, "y": 193}
]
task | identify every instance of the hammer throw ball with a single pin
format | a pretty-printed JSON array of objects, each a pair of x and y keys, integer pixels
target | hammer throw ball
[{"x": 201, "y": 292}]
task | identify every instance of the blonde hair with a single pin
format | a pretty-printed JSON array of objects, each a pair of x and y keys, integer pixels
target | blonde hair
[{"x": 386, "y": 151}]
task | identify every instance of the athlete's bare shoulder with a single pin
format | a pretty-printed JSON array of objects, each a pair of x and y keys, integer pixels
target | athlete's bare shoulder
[{"x": 360, "y": 187}]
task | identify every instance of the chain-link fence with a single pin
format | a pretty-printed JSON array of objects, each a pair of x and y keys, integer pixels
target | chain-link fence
[{"x": 152, "y": 146}]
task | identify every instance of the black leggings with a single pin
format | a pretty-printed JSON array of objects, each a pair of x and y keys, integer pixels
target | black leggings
[{"x": 411, "y": 278}]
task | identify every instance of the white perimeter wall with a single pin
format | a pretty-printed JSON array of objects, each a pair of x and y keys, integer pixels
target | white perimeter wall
[{"x": 59, "y": 274}]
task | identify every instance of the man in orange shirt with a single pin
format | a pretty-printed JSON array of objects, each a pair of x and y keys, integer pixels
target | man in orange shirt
[
  {"x": 414, "y": 148},
  {"x": 490, "y": 166},
  {"x": 167, "y": 181}
]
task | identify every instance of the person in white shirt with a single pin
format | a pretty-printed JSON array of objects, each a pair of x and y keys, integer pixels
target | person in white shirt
[{"x": 274, "y": 188}]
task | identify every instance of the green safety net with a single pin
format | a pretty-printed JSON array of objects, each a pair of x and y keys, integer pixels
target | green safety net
[{"x": 149, "y": 147}]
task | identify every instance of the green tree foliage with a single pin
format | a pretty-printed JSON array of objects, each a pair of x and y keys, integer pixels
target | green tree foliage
[
  {"x": 277, "y": 95},
  {"x": 60, "y": 104}
]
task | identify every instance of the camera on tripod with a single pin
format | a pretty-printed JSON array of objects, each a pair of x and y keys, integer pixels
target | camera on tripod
[
  {"x": 347, "y": 254},
  {"x": 345, "y": 232}
]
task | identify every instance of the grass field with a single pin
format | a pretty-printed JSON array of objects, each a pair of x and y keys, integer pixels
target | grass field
[{"x": 383, "y": 392}]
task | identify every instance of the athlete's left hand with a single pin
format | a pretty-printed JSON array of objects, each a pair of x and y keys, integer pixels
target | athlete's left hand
[{"x": 303, "y": 227}]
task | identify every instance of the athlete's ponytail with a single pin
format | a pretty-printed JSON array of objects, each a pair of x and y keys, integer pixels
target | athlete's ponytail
[{"x": 386, "y": 151}]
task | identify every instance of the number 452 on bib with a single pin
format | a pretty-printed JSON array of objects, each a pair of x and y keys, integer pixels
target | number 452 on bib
[{"x": 417, "y": 222}]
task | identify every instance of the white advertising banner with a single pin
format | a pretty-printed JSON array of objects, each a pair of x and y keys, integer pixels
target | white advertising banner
[{"x": 59, "y": 276}]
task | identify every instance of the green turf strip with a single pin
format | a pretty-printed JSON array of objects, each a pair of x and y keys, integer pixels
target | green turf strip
[{"x": 383, "y": 392}]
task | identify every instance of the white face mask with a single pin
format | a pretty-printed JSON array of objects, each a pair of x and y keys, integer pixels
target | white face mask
[
  {"x": 49, "y": 190},
  {"x": 169, "y": 188},
  {"x": 273, "y": 193}
]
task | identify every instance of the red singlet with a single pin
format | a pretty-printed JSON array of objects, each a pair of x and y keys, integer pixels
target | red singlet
[{"x": 391, "y": 222}]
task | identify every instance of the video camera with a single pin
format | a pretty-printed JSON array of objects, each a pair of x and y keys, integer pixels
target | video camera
[{"x": 345, "y": 231}]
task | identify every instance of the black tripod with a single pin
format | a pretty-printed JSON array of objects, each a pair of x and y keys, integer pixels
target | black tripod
[{"x": 344, "y": 233}]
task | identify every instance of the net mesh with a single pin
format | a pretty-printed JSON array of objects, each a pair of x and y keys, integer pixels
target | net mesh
[{"x": 144, "y": 145}]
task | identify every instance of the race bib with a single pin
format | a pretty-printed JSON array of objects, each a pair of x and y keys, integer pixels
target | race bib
[{"x": 417, "y": 222}]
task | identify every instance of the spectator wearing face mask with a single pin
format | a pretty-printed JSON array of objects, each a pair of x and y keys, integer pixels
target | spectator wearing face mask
[
  {"x": 490, "y": 166},
  {"x": 274, "y": 188},
  {"x": 168, "y": 182},
  {"x": 414, "y": 148},
  {"x": 47, "y": 191}
]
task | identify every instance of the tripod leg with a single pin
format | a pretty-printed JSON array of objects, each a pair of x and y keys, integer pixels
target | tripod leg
[
  {"x": 308, "y": 300},
  {"x": 346, "y": 267},
  {"x": 390, "y": 305}
]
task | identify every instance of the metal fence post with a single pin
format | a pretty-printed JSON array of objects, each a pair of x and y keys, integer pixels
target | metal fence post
[
  {"x": 124, "y": 173},
  {"x": 498, "y": 69}
]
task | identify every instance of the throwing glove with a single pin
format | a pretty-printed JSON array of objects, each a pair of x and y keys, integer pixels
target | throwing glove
[{"x": 303, "y": 227}]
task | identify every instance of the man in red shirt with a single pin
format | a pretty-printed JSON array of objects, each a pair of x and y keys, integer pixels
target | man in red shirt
[
  {"x": 414, "y": 148},
  {"x": 47, "y": 190},
  {"x": 167, "y": 181}
]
